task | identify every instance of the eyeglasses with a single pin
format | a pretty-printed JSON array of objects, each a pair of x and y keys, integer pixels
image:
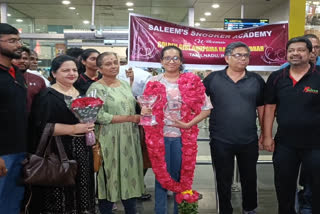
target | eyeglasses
[
  {"x": 240, "y": 56},
  {"x": 316, "y": 47},
  {"x": 12, "y": 41},
  {"x": 168, "y": 59}
]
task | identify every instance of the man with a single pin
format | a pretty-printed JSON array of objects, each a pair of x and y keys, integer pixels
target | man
[
  {"x": 293, "y": 94},
  {"x": 136, "y": 77},
  {"x": 304, "y": 196},
  {"x": 33, "y": 67},
  {"x": 236, "y": 96},
  {"x": 13, "y": 121},
  {"x": 34, "y": 83}
]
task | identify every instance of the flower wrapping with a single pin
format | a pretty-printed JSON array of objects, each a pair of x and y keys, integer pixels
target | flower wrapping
[
  {"x": 86, "y": 110},
  {"x": 188, "y": 202}
]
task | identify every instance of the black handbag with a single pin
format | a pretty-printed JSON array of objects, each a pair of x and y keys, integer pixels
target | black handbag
[{"x": 45, "y": 168}]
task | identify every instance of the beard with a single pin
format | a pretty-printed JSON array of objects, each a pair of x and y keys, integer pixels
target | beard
[{"x": 10, "y": 54}]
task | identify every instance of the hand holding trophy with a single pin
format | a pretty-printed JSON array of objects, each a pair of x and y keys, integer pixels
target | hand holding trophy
[{"x": 147, "y": 101}]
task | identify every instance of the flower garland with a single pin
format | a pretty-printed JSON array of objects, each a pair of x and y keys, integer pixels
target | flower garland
[{"x": 193, "y": 96}]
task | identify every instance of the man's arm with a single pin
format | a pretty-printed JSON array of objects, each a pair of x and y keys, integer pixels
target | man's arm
[
  {"x": 260, "y": 110},
  {"x": 268, "y": 118},
  {"x": 3, "y": 168}
]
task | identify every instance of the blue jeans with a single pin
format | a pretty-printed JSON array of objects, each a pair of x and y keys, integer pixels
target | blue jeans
[
  {"x": 173, "y": 158},
  {"x": 11, "y": 190}
]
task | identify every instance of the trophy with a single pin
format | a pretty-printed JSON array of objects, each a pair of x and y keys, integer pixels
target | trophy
[
  {"x": 172, "y": 112},
  {"x": 147, "y": 101}
]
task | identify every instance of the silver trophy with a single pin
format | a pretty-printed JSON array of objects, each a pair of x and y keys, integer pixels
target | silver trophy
[
  {"x": 172, "y": 112},
  {"x": 147, "y": 101}
]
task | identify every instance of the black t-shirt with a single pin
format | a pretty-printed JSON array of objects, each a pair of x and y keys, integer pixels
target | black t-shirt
[
  {"x": 297, "y": 107},
  {"x": 83, "y": 83},
  {"x": 233, "y": 117}
]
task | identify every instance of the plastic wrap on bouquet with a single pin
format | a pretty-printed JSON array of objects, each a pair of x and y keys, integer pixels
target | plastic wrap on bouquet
[
  {"x": 86, "y": 110},
  {"x": 147, "y": 101}
]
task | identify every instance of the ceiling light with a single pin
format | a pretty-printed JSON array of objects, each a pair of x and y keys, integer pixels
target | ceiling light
[
  {"x": 86, "y": 22},
  {"x": 19, "y": 20},
  {"x": 316, "y": 2},
  {"x": 202, "y": 19},
  {"x": 66, "y": 2},
  {"x": 72, "y": 8},
  {"x": 197, "y": 24},
  {"x": 130, "y": 9},
  {"x": 8, "y": 14},
  {"x": 77, "y": 13},
  {"x": 215, "y": 5},
  {"x": 129, "y": 4},
  {"x": 207, "y": 14}
]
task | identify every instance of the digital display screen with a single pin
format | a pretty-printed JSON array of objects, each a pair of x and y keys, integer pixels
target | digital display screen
[{"x": 235, "y": 24}]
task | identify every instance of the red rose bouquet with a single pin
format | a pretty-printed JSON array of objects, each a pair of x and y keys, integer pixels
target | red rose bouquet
[
  {"x": 188, "y": 202},
  {"x": 86, "y": 110}
]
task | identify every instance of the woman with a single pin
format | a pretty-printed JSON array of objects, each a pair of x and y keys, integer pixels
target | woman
[
  {"x": 174, "y": 93},
  {"x": 91, "y": 74},
  {"x": 50, "y": 107},
  {"x": 121, "y": 175}
]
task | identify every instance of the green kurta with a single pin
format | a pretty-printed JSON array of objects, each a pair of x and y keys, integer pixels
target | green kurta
[{"x": 121, "y": 175}]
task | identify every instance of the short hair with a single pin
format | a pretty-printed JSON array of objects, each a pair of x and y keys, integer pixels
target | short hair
[
  {"x": 87, "y": 52},
  {"x": 181, "y": 68},
  {"x": 230, "y": 47},
  {"x": 102, "y": 55},
  {"x": 311, "y": 36},
  {"x": 74, "y": 52},
  {"x": 59, "y": 60},
  {"x": 300, "y": 39},
  {"x": 33, "y": 52},
  {"x": 25, "y": 49},
  {"x": 6, "y": 29}
]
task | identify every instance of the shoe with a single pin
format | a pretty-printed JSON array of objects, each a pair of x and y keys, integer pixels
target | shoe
[
  {"x": 114, "y": 207},
  {"x": 145, "y": 197},
  {"x": 200, "y": 196},
  {"x": 249, "y": 212}
]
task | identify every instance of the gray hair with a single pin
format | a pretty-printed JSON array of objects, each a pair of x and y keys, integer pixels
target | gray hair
[{"x": 234, "y": 45}]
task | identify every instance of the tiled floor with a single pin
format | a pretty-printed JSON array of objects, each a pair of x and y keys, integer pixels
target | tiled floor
[{"x": 204, "y": 183}]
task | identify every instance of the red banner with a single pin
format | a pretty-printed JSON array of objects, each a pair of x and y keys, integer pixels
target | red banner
[{"x": 204, "y": 49}]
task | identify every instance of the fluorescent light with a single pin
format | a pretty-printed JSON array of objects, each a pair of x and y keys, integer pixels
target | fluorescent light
[
  {"x": 202, "y": 19},
  {"x": 130, "y": 9},
  {"x": 66, "y": 2},
  {"x": 207, "y": 14},
  {"x": 86, "y": 22},
  {"x": 8, "y": 14},
  {"x": 215, "y": 5},
  {"x": 72, "y": 8},
  {"x": 197, "y": 24},
  {"x": 129, "y": 4},
  {"x": 19, "y": 20}
]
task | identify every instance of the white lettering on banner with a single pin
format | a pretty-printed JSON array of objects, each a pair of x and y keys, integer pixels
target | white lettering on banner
[
  {"x": 171, "y": 30},
  {"x": 256, "y": 34},
  {"x": 199, "y": 55},
  {"x": 210, "y": 35}
]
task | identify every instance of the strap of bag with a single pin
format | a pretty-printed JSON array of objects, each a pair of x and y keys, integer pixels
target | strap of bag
[
  {"x": 62, "y": 154},
  {"x": 98, "y": 134},
  {"x": 47, "y": 132}
]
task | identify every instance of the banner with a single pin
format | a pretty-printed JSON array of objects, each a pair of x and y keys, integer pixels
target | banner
[{"x": 204, "y": 49}]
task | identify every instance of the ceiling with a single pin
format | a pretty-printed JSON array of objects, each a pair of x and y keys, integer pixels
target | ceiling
[{"x": 113, "y": 14}]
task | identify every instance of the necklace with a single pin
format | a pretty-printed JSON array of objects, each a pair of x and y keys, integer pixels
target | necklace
[{"x": 72, "y": 92}]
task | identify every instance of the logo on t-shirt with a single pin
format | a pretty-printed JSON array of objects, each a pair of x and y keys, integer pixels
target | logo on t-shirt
[{"x": 308, "y": 89}]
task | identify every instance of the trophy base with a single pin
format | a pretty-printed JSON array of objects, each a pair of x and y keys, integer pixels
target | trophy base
[{"x": 148, "y": 121}]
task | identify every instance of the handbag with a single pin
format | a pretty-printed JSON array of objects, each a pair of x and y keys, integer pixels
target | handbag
[
  {"x": 45, "y": 168},
  {"x": 96, "y": 151}
]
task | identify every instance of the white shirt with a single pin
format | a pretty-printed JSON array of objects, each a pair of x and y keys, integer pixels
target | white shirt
[{"x": 141, "y": 78}]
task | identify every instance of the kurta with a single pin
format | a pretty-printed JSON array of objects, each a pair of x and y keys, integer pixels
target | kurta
[{"x": 121, "y": 175}]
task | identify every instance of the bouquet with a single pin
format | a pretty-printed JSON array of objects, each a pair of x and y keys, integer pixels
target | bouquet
[
  {"x": 188, "y": 202},
  {"x": 86, "y": 110}
]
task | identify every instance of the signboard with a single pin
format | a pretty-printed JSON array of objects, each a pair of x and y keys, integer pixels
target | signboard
[
  {"x": 204, "y": 49},
  {"x": 235, "y": 24}
]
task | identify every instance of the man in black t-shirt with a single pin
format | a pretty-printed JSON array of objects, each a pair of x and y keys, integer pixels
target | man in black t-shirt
[
  {"x": 293, "y": 94},
  {"x": 236, "y": 95}
]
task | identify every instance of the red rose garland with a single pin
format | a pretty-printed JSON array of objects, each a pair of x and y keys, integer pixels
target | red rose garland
[{"x": 193, "y": 96}]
